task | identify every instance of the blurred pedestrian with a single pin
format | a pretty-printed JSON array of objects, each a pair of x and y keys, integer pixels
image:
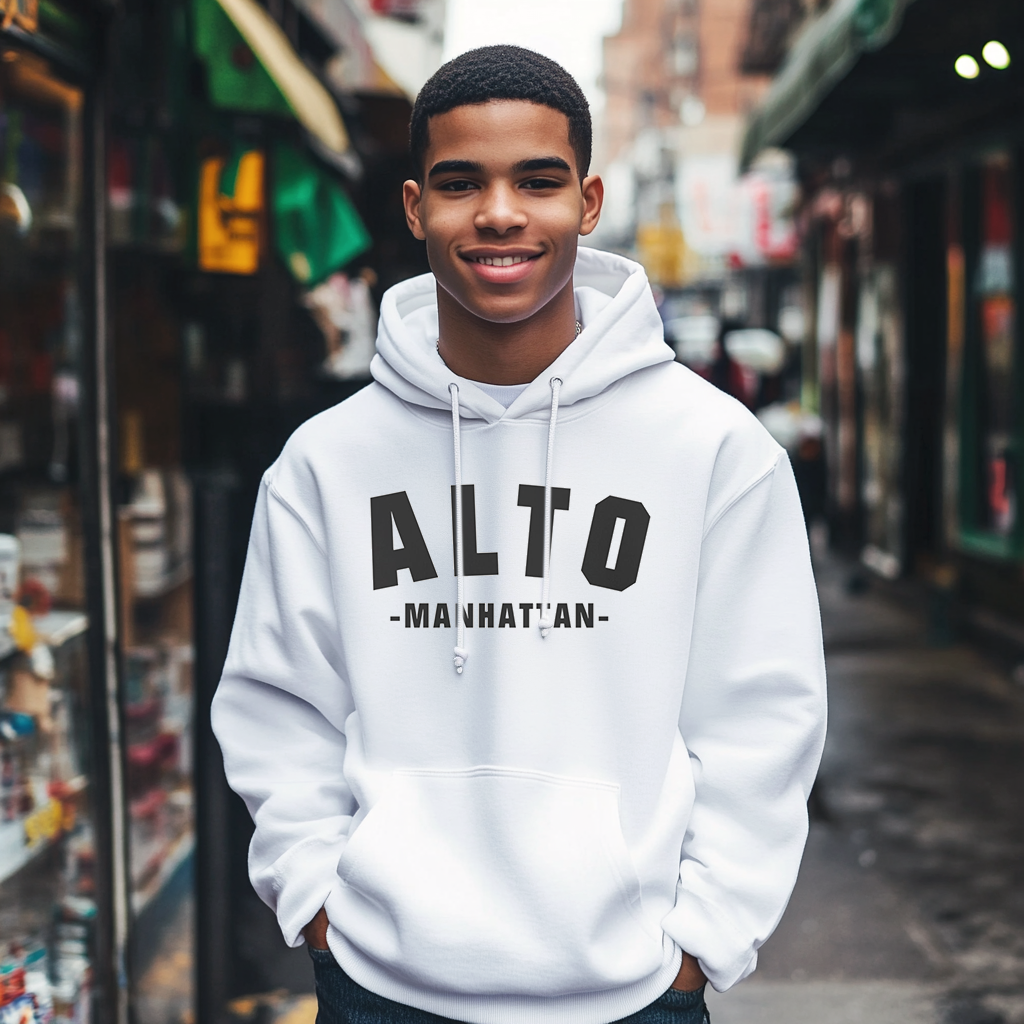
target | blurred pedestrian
[
  {"x": 570, "y": 783},
  {"x": 728, "y": 375}
]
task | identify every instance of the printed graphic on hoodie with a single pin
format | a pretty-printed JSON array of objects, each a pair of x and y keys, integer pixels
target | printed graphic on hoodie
[{"x": 615, "y": 546}]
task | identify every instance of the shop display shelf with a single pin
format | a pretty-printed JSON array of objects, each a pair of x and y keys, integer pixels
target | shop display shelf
[
  {"x": 54, "y": 628},
  {"x": 177, "y": 853},
  {"x": 15, "y": 851},
  {"x": 165, "y": 584}
]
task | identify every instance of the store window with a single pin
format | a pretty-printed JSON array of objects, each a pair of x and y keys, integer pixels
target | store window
[
  {"x": 997, "y": 314},
  {"x": 991, "y": 472},
  {"x": 48, "y": 870},
  {"x": 155, "y": 560}
]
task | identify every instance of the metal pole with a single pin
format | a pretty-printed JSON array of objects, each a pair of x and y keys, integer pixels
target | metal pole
[{"x": 103, "y": 407}]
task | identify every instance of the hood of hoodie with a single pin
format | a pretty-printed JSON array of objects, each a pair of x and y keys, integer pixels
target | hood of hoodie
[{"x": 622, "y": 333}]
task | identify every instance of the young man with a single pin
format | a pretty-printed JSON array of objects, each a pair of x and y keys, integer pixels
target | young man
[{"x": 526, "y": 691}]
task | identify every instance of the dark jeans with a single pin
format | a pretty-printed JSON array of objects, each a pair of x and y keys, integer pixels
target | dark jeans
[{"x": 342, "y": 1001}]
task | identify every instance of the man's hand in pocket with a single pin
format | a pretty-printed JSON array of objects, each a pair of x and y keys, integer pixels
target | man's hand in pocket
[
  {"x": 315, "y": 933},
  {"x": 690, "y": 976}
]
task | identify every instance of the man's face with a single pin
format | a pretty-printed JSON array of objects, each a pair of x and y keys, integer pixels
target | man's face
[{"x": 501, "y": 207}]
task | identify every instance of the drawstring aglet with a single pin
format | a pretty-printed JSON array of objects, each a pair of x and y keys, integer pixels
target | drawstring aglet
[{"x": 461, "y": 657}]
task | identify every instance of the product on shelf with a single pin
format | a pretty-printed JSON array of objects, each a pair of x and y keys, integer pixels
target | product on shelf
[
  {"x": 159, "y": 520},
  {"x": 37, "y": 983},
  {"x": 27, "y": 988},
  {"x": 158, "y": 716},
  {"x": 47, "y": 848},
  {"x": 10, "y": 569}
]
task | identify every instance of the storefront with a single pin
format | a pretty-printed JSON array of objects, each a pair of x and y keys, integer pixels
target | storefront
[
  {"x": 252, "y": 228},
  {"x": 909, "y": 143},
  {"x": 61, "y": 916},
  {"x": 192, "y": 241},
  {"x": 984, "y": 270}
]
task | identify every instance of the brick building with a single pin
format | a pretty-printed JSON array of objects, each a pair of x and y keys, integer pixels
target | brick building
[{"x": 676, "y": 89}]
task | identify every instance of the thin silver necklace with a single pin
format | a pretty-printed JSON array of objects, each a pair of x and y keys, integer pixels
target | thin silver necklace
[{"x": 437, "y": 344}]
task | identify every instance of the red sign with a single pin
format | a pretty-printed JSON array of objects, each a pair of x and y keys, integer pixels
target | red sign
[{"x": 396, "y": 8}]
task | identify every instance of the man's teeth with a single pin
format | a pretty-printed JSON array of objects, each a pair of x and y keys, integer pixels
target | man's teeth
[{"x": 502, "y": 261}]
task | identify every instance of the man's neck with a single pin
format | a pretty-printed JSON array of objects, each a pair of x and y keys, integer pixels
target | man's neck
[{"x": 505, "y": 354}]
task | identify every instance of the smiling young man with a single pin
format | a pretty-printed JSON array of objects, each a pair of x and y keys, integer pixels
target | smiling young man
[{"x": 525, "y": 692}]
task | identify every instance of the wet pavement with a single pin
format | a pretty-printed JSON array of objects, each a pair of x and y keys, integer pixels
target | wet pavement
[{"x": 910, "y": 903}]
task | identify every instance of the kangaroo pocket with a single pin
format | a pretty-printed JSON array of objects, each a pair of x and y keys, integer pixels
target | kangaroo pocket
[{"x": 496, "y": 881}]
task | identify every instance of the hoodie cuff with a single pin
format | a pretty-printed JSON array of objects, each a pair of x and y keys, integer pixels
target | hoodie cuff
[
  {"x": 701, "y": 930},
  {"x": 303, "y": 879}
]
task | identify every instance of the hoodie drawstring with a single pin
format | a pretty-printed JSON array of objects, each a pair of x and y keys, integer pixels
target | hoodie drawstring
[
  {"x": 545, "y": 624},
  {"x": 461, "y": 654},
  {"x": 546, "y": 621}
]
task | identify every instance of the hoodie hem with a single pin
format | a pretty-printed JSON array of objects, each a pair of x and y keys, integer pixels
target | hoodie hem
[{"x": 581, "y": 1008}]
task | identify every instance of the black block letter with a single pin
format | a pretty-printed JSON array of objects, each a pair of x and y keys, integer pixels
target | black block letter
[
  {"x": 414, "y": 556},
  {"x": 635, "y": 519},
  {"x": 417, "y": 616},
  {"x": 474, "y": 563},
  {"x": 584, "y": 616},
  {"x": 532, "y": 497}
]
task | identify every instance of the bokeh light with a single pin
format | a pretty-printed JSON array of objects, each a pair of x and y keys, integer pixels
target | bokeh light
[
  {"x": 996, "y": 55},
  {"x": 966, "y": 66}
]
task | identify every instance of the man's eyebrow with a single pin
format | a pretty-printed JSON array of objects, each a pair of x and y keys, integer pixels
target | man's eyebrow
[
  {"x": 455, "y": 167},
  {"x": 541, "y": 163}
]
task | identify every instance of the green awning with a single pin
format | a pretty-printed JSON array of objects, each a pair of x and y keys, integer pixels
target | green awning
[
  {"x": 253, "y": 68},
  {"x": 316, "y": 228},
  {"x": 823, "y": 54}
]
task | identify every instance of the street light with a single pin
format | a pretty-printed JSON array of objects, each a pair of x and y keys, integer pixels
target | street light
[
  {"x": 966, "y": 66},
  {"x": 996, "y": 55}
]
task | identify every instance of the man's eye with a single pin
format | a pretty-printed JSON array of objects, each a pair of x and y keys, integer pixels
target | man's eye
[
  {"x": 457, "y": 186},
  {"x": 536, "y": 184}
]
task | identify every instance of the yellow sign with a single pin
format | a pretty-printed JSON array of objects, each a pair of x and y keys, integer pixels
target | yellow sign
[
  {"x": 662, "y": 249},
  {"x": 22, "y": 629},
  {"x": 45, "y": 824},
  {"x": 23, "y": 13},
  {"x": 230, "y": 227}
]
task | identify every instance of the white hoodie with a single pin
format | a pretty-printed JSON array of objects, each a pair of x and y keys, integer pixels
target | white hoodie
[{"x": 536, "y": 838}]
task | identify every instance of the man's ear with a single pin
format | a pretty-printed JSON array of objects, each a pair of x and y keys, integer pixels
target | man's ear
[
  {"x": 593, "y": 200},
  {"x": 412, "y": 195}
]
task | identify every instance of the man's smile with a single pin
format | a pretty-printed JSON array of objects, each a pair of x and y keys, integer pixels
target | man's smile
[
  {"x": 497, "y": 266},
  {"x": 502, "y": 261}
]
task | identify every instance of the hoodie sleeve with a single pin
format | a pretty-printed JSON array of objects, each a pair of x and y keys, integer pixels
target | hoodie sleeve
[
  {"x": 753, "y": 719},
  {"x": 279, "y": 715}
]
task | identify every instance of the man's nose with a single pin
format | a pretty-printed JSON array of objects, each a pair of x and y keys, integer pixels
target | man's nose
[{"x": 501, "y": 210}]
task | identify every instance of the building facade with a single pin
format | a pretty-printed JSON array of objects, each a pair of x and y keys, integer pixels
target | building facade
[{"x": 676, "y": 97}]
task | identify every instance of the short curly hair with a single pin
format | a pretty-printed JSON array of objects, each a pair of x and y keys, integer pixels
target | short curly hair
[{"x": 501, "y": 73}]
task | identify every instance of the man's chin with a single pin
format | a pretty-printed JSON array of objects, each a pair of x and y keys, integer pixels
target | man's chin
[
  {"x": 503, "y": 315},
  {"x": 498, "y": 305},
  {"x": 508, "y": 310}
]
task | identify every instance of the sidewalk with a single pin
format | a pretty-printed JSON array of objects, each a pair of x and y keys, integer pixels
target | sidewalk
[{"x": 910, "y": 903}]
